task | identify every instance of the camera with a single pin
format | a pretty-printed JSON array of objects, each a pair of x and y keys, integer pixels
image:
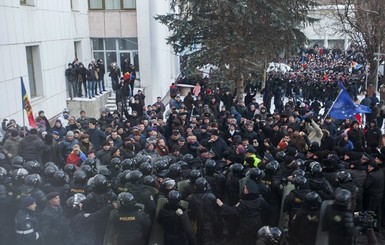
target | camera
[{"x": 366, "y": 219}]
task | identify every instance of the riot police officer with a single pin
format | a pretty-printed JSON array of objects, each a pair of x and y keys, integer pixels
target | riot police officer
[
  {"x": 174, "y": 219},
  {"x": 338, "y": 220},
  {"x": 27, "y": 224},
  {"x": 130, "y": 224}
]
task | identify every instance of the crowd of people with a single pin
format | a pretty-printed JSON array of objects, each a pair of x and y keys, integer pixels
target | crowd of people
[
  {"x": 89, "y": 82},
  {"x": 208, "y": 169}
]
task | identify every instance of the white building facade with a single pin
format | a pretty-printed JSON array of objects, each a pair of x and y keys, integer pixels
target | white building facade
[{"x": 38, "y": 39}]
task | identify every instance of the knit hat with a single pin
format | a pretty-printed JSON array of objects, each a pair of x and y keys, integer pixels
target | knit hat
[
  {"x": 70, "y": 133},
  {"x": 52, "y": 195},
  {"x": 114, "y": 149},
  {"x": 27, "y": 201}
]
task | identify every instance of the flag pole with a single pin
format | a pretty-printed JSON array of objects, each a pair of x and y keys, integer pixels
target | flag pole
[{"x": 332, "y": 105}]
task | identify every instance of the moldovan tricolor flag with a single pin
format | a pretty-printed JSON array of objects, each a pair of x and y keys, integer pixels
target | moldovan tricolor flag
[{"x": 27, "y": 105}]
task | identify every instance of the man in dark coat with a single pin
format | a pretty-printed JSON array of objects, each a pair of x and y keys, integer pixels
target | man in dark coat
[
  {"x": 31, "y": 147},
  {"x": 374, "y": 190},
  {"x": 54, "y": 226}
]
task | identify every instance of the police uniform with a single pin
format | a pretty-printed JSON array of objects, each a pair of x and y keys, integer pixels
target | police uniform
[{"x": 26, "y": 224}]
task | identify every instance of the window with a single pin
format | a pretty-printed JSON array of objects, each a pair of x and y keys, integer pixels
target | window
[
  {"x": 110, "y": 44},
  {"x": 96, "y": 4},
  {"x": 23, "y": 1},
  {"x": 74, "y": 5},
  {"x": 27, "y": 2},
  {"x": 129, "y": 4},
  {"x": 111, "y": 4},
  {"x": 128, "y": 43},
  {"x": 34, "y": 71},
  {"x": 97, "y": 44}
]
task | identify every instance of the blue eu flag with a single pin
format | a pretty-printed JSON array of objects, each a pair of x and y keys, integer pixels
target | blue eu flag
[{"x": 344, "y": 107}]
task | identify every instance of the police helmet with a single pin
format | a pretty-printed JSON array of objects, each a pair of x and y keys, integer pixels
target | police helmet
[
  {"x": 315, "y": 168},
  {"x": 183, "y": 164},
  {"x": 342, "y": 197},
  {"x": 145, "y": 168},
  {"x": 106, "y": 172},
  {"x": 194, "y": 175},
  {"x": 201, "y": 185},
  {"x": 149, "y": 180},
  {"x": 299, "y": 181},
  {"x": 60, "y": 178},
  {"x": 313, "y": 200},
  {"x": 343, "y": 177},
  {"x": 298, "y": 172},
  {"x": 50, "y": 171},
  {"x": 99, "y": 183},
  {"x": 33, "y": 167},
  {"x": 127, "y": 164},
  {"x": 272, "y": 235},
  {"x": 18, "y": 175},
  {"x": 17, "y": 162},
  {"x": 126, "y": 200},
  {"x": 174, "y": 197},
  {"x": 210, "y": 165},
  {"x": 80, "y": 177},
  {"x": 134, "y": 176},
  {"x": 51, "y": 164},
  {"x": 115, "y": 162},
  {"x": 139, "y": 159},
  {"x": 168, "y": 184},
  {"x": 70, "y": 169},
  {"x": 73, "y": 202},
  {"x": 88, "y": 170},
  {"x": 161, "y": 168},
  {"x": 175, "y": 170},
  {"x": 33, "y": 180},
  {"x": 280, "y": 156},
  {"x": 237, "y": 169},
  {"x": 90, "y": 162},
  {"x": 188, "y": 158},
  {"x": 271, "y": 167},
  {"x": 255, "y": 174}
]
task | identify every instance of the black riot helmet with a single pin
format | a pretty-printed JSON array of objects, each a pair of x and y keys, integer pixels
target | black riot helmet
[
  {"x": 174, "y": 197},
  {"x": 126, "y": 200},
  {"x": 70, "y": 169},
  {"x": 315, "y": 168},
  {"x": 175, "y": 170},
  {"x": 210, "y": 165},
  {"x": 313, "y": 200},
  {"x": 280, "y": 156},
  {"x": 50, "y": 171},
  {"x": 90, "y": 162},
  {"x": 343, "y": 177},
  {"x": 299, "y": 182},
  {"x": 33, "y": 167},
  {"x": 184, "y": 165},
  {"x": 149, "y": 180},
  {"x": 80, "y": 177},
  {"x": 188, "y": 158},
  {"x": 145, "y": 168},
  {"x": 342, "y": 197},
  {"x": 298, "y": 172},
  {"x": 60, "y": 178},
  {"x": 272, "y": 235},
  {"x": 115, "y": 162},
  {"x": 33, "y": 180},
  {"x": 134, "y": 176},
  {"x": 272, "y": 167},
  {"x": 237, "y": 169},
  {"x": 194, "y": 175},
  {"x": 201, "y": 185},
  {"x": 168, "y": 185},
  {"x": 17, "y": 162},
  {"x": 73, "y": 202},
  {"x": 18, "y": 175},
  {"x": 127, "y": 164},
  {"x": 52, "y": 164},
  {"x": 139, "y": 159},
  {"x": 88, "y": 170},
  {"x": 106, "y": 172},
  {"x": 161, "y": 168},
  {"x": 255, "y": 174},
  {"x": 99, "y": 183}
]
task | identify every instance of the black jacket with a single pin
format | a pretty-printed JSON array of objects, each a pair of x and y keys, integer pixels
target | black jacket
[
  {"x": 31, "y": 148},
  {"x": 374, "y": 183},
  {"x": 54, "y": 226},
  {"x": 26, "y": 221}
]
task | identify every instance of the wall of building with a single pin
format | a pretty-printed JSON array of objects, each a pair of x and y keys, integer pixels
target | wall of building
[
  {"x": 52, "y": 27},
  {"x": 326, "y": 31},
  {"x": 159, "y": 66}
]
